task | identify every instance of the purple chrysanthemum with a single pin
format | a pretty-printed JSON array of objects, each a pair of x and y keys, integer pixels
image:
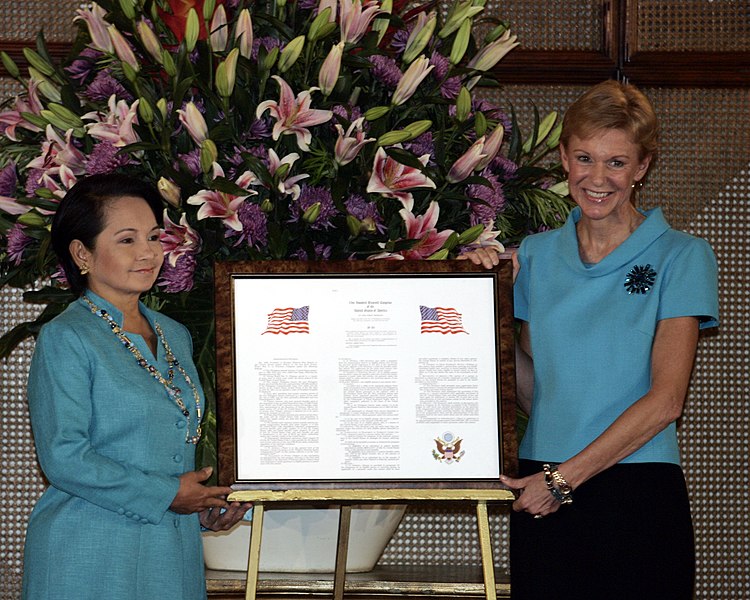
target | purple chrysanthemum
[
  {"x": 366, "y": 212},
  {"x": 104, "y": 158},
  {"x": 322, "y": 252},
  {"x": 347, "y": 112},
  {"x": 17, "y": 243},
  {"x": 8, "y": 180},
  {"x": 311, "y": 195},
  {"x": 191, "y": 160},
  {"x": 104, "y": 86},
  {"x": 254, "y": 225},
  {"x": 398, "y": 42},
  {"x": 385, "y": 70},
  {"x": 450, "y": 88},
  {"x": 259, "y": 129},
  {"x": 33, "y": 181},
  {"x": 441, "y": 64},
  {"x": 503, "y": 167},
  {"x": 493, "y": 200},
  {"x": 80, "y": 69},
  {"x": 422, "y": 145},
  {"x": 180, "y": 277}
]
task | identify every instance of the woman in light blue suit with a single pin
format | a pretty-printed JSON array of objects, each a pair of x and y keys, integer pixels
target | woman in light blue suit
[{"x": 115, "y": 407}]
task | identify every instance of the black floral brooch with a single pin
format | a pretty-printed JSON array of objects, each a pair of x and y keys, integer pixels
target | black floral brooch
[{"x": 640, "y": 279}]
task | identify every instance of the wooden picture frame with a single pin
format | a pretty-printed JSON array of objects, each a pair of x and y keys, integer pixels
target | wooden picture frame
[{"x": 329, "y": 317}]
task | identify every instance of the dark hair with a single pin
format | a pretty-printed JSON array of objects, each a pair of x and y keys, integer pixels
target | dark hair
[
  {"x": 613, "y": 105},
  {"x": 81, "y": 213}
]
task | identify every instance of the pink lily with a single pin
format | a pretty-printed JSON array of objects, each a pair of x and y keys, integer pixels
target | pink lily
[
  {"x": 391, "y": 178},
  {"x": 354, "y": 21},
  {"x": 97, "y": 27},
  {"x": 486, "y": 239},
  {"x": 491, "y": 54},
  {"x": 58, "y": 180},
  {"x": 219, "y": 34},
  {"x": 178, "y": 239},
  {"x": 12, "y": 207},
  {"x": 59, "y": 152},
  {"x": 467, "y": 162},
  {"x": 194, "y": 122},
  {"x": 422, "y": 228},
  {"x": 117, "y": 125},
  {"x": 294, "y": 116},
  {"x": 491, "y": 146},
  {"x": 149, "y": 40},
  {"x": 286, "y": 185},
  {"x": 329, "y": 70},
  {"x": 9, "y": 204},
  {"x": 220, "y": 205},
  {"x": 411, "y": 79},
  {"x": 122, "y": 48},
  {"x": 243, "y": 33},
  {"x": 332, "y": 4},
  {"x": 386, "y": 256},
  {"x": 349, "y": 144},
  {"x": 11, "y": 119}
]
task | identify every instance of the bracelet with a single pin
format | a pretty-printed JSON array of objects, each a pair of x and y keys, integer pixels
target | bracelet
[{"x": 557, "y": 484}]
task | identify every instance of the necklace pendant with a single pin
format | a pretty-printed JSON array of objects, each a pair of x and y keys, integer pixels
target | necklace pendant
[{"x": 174, "y": 393}]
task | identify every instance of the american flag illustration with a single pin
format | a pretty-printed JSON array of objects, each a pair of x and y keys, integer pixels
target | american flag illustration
[
  {"x": 441, "y": 320},
  {"x": 288, "y": 320}
]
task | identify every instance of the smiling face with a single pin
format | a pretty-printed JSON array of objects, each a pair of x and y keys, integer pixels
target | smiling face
[
  {"x": 602, "y": 170},
  {"x": 127, "y": 254}
]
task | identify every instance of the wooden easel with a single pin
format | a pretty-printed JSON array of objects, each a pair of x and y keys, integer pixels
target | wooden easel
[{"x": 345, "y": 499}]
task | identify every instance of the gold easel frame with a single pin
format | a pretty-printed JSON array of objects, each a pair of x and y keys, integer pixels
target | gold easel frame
[{"x": 345, "y": 498}]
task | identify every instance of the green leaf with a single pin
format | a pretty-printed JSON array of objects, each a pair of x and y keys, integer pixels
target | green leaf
[{"x": 404, "y": 157}]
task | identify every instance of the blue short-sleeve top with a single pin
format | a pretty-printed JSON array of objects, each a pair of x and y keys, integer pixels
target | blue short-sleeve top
[{"x": 592, "y": 328}]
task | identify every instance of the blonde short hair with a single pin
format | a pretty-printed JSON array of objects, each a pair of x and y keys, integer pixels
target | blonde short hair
[{"x": 613, "y": 105}]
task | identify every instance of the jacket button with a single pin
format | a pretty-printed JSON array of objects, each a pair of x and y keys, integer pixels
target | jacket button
[
  {"x": 177, "y": 458},
  {"x": 180, "y": 424}
]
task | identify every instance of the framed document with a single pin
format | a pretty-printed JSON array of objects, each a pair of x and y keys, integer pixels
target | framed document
[{"x": 364, "y": 374}]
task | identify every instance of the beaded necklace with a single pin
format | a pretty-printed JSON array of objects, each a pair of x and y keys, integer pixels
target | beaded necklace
[{"x": 173, "y": 391}]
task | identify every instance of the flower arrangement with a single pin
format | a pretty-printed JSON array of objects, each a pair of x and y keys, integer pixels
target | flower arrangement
[{"x": 299, "y": 129}]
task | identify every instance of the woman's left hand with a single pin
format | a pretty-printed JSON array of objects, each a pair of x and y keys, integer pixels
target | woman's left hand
[
  {"x": 215, "y": 520},
  {"x": 534, "y": 497}
]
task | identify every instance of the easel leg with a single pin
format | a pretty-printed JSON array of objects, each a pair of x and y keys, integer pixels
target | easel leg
[
  {"x": 488, "y": 566},
  {"x": 342, "y": 551},
  {"x": 253, "y": 557}
]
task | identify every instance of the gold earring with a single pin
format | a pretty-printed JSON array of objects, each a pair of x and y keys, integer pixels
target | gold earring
[{"x": 85, "y": 270}]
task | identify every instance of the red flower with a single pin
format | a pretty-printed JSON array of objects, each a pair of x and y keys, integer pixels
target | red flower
[{"x": 177, "y": 20}]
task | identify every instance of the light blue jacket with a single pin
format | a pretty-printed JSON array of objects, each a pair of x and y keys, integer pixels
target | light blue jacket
[{"x": 112, "y": 445}]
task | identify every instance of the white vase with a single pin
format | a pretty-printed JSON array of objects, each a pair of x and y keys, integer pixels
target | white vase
[{"x": 303, "y": 540}]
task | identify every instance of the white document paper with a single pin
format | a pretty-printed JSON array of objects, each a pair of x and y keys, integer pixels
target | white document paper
[{"x": 361, "y": 378}]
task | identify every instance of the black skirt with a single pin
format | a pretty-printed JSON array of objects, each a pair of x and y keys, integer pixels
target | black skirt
[{"x": 628, "y": 534}]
